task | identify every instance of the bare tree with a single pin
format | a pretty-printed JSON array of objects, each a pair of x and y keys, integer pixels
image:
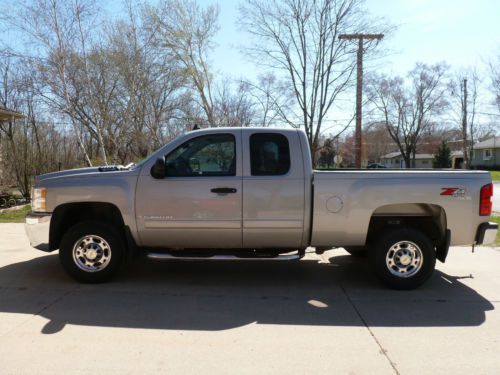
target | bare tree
[
  {"x": 299, "y": 39},
  {"x": 149, "y": 102},
  {"x": 82, "y": 12},
  {"x": 233, "y": 106},
  {"x": 495, "y": 79},
  {"x": 10, "y": 97},
  {"x": 272, "y": 99},
  {"x": 186, "y": 31},
  {"x": 102, "y": 90},
  {"x": 464, "y": 90},
  {"x": 54, "y": 30},
  {"x": 376, "y": 141},
  {"x": 29, "y": 146},
  {"x": 409, "y": 107}
]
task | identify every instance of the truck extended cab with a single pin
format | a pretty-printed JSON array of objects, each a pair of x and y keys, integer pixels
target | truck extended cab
[{"x": 250, "y": 193}]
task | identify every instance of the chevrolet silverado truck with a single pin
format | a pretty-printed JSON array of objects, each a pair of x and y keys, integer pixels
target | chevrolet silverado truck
[{"x": 251, "y": 194}]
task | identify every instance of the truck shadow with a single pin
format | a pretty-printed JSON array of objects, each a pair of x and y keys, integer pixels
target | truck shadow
[{"x": 218, "y": 296}]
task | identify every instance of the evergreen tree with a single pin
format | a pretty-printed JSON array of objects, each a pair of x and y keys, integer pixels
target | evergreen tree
[{"x": 442, "y": 158}]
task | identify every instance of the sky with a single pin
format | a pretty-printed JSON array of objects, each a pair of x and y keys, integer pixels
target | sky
[
  {"x": 460, "y": 32},
  {"x": 463, "y": 33}
]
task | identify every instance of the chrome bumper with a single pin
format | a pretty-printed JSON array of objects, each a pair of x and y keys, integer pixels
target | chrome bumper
[
  {"x": 37, "y": 226},
  {"x": 486, "y": 233}
]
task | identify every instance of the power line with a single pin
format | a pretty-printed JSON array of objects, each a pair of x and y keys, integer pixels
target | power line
[{"x": 489, "y": 114}]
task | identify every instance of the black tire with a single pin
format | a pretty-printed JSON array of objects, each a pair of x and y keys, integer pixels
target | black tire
[
  {"x": 357, "y": 251},
  {"x": 390, "y": 255},
  {"x": 106, "y": 244}
]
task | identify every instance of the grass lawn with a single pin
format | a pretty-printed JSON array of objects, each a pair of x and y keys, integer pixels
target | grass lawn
[
  {"x": 495, "y": 176},
  {"x": 15, "y": 216}
]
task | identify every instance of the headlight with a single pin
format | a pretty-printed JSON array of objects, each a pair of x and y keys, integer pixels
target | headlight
[{"x": 38, "y": 199}]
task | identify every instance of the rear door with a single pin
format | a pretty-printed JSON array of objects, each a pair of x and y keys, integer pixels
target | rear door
[{"x": 274, "y": 190}]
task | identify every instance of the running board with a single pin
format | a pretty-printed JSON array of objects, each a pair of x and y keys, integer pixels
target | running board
[{"x": 167, "y": 256}]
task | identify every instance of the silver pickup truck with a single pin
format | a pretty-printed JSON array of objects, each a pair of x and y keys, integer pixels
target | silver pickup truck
[{"x": 250, "y": 193}]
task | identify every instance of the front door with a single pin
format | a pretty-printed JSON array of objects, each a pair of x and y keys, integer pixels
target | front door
[{"x": 199, "y": 203}]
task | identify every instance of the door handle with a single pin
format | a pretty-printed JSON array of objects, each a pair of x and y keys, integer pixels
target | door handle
[{"x": 223, "y": 190}]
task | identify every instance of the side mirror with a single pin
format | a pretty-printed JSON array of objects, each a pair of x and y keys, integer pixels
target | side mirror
[{"x": 159, "y": 169}]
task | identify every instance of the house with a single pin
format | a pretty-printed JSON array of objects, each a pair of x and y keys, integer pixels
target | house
[
  {"x": 9, "y": 115},
  {"x": 395, "y": 160},
  {"x": 486, "y": 154}
]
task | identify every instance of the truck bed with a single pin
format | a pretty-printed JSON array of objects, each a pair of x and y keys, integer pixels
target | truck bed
[{"x": 345, "y": 201}]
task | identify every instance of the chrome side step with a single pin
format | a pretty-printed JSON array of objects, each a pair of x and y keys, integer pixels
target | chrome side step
[{"x": 167, "y": 256}]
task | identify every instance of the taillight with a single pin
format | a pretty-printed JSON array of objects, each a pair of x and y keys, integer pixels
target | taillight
[{"x": 485, "y": 204}]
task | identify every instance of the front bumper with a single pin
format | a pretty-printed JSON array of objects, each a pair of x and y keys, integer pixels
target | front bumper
[
  {"x": 486, "y": 233},
  {"x": 37, "y": 226}
]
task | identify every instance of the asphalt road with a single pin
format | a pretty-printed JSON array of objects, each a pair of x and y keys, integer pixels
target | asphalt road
[{"x": 321, "y": 315}]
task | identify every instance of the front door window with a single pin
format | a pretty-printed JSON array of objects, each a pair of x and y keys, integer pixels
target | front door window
[{"x": 208, "y": 155}]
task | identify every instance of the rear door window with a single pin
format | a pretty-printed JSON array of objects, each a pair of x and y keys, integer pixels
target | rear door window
[{"x": 269, "y": 154}]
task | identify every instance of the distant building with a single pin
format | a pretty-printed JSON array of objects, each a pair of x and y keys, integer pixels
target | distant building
[
  {"x": 396, "y": 160},
  {"x": 486, "y": 154}
]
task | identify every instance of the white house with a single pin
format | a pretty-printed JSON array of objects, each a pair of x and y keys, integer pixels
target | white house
[
  {"x": 487, "y": 153},
  {"x": 395, "y": 160}
]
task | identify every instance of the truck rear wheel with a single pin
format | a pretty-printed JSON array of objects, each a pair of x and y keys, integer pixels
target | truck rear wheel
[
  {"x": 403, "y": 258},
  {"x": 91, "y": 252}
]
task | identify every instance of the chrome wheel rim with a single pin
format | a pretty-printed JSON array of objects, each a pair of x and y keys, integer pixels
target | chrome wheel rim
[
  {"x": 404, "y": 259},
  {"x": 92, "y": 253}
]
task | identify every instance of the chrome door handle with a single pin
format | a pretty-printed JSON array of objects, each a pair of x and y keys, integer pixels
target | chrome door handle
[{"x": 223, "y": 190}]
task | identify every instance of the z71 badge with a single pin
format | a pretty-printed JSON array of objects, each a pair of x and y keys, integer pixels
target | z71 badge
[{"x": 453, "y": 192}]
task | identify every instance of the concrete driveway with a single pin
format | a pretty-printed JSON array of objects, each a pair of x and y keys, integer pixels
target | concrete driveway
[{"x": 322, "y": 315}]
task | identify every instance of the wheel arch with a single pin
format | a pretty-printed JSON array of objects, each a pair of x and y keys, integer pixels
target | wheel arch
[
  {"x": 428, "y": 218},
  {"x": 66, "y": 215}
]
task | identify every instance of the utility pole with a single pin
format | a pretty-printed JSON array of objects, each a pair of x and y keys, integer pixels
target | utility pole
[
  {"x": 359, "y": 87},
  {"x": 464, "y": 125}
]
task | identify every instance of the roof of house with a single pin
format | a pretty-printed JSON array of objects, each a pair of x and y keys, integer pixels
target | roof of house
[
  {"x": 8, "y": 114},
  {"x": 393, "y": 155},
  {"x": 493, "y": 142}
]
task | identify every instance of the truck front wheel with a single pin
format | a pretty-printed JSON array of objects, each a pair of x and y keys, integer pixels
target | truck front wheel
[
  {"x": 91, "y": 252},
  {"x": 403, "y": 258}
]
